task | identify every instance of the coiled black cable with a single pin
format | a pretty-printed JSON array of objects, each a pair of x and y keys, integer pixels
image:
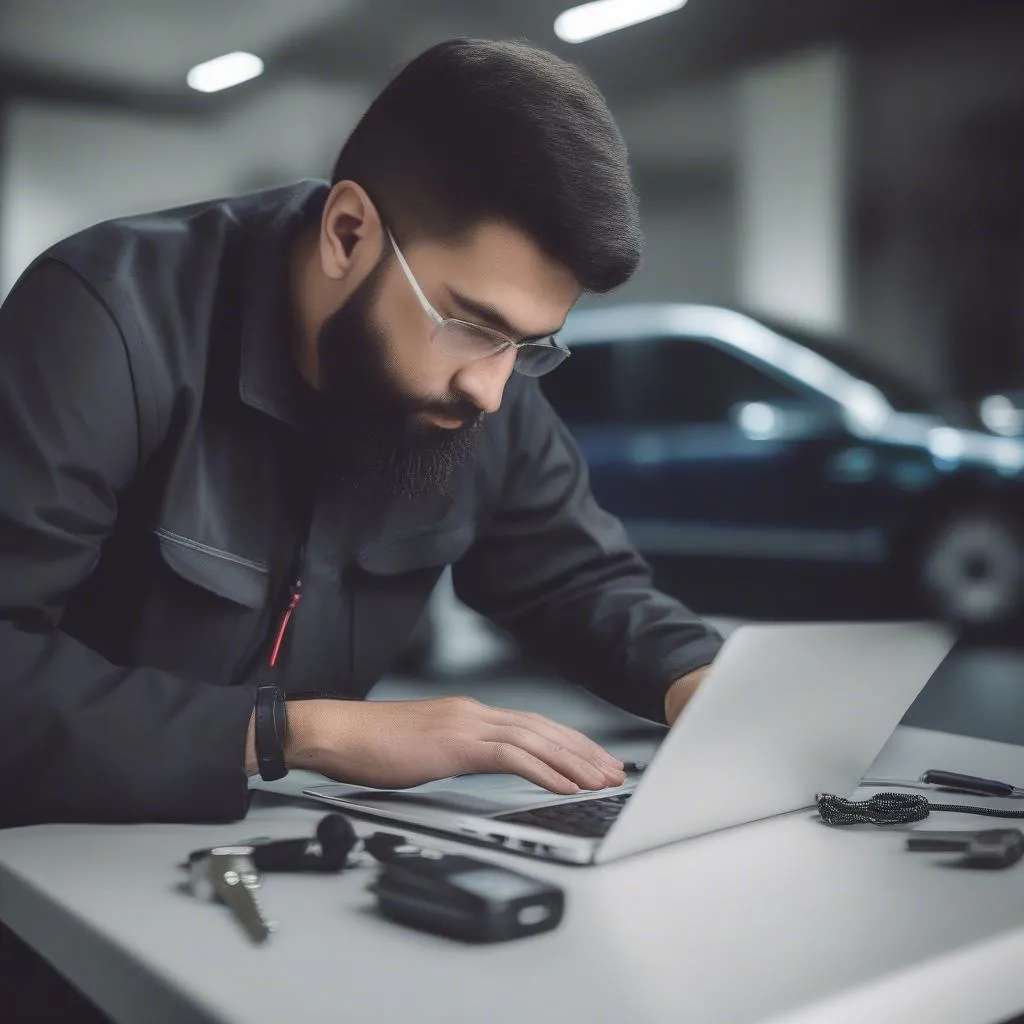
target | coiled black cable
[{"x": 893, "y": 809}]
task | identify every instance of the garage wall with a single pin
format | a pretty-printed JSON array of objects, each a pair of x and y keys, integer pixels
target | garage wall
[
  {"x": 792, "y": 189},
  {"x": 64, "y": 168},
  {"x": 938, "y": 203},
  {"x": 683, "y": 145}
]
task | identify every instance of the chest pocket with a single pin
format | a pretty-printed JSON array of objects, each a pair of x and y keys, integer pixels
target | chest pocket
[
  {"x": 199, "y": 610},
  {"x": 227, "y": 575}
]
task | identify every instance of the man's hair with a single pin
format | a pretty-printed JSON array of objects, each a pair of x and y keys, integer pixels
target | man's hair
[{"x": 474, "y": 129}]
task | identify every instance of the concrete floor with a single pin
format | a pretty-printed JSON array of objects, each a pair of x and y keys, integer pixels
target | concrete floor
[{"x": 976, "y": 692}]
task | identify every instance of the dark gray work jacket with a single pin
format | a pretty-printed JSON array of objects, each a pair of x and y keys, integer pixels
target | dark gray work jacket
[{"x": 157, "y": 487}]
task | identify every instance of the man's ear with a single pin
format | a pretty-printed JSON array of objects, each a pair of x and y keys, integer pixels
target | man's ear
[{"x": 351, "y": 234}]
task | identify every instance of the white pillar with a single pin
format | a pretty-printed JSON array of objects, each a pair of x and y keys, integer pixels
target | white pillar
[{"x": 792, "y": 193}]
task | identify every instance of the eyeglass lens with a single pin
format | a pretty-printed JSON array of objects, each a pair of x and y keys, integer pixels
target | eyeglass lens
[{"x": 468, "y": 341}]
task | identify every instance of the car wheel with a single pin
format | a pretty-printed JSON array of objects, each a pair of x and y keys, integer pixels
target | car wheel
[{"x": 972, "y": 569}]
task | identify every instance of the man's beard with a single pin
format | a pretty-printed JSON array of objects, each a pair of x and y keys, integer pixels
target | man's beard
[{"x": 369, "y": 426}]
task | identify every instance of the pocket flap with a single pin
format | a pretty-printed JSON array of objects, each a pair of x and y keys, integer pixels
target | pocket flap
[
  {"x": 230, "y": 576},
  {"x": 418, "y": 550}
]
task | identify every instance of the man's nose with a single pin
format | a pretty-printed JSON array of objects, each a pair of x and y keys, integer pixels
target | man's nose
[{"x": 483, "y": 380}]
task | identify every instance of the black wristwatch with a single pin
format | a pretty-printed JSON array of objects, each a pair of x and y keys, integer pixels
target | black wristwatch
[{"x": 271, "y": 732}]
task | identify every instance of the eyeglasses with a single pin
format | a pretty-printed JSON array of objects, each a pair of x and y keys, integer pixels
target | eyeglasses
[{"x": 467, "y": 341}]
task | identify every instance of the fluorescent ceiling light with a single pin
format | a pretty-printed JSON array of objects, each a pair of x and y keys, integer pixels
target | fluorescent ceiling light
[
  {"x": 588, "y": 21},
  {"x": 224, "y": 72}
]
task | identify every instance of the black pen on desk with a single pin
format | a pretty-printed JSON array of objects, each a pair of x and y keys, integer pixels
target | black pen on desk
[{"x": 953, "y": 782}]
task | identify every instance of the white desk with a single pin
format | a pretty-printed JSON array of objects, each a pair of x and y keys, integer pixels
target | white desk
[{"x": 782, "y": 920}]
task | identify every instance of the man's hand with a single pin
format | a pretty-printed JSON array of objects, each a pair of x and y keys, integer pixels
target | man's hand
[
  {"x": 394, "y": 744},
  {"x": 681, "y": 691}
]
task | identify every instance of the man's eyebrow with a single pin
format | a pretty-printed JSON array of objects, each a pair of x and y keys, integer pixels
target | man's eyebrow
[{"x": 492, "y": 318}]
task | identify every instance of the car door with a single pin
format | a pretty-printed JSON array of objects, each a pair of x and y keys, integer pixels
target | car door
[
  {"x": 720, "y": 444},
  {"x": 587, "y": 395},
  {"x": 719, "y": 469}
]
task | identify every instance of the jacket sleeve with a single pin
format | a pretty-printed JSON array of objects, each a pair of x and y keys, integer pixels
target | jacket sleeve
[
  {"x": 559, "y": 573},
  {"x": 80, "y": 738}
]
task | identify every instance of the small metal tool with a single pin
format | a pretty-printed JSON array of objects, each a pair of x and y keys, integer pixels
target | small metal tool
[
  {"x": 228, "y": 875},
  {"x": 955, "y": 782},
  {"x": 989, "y": 848}
]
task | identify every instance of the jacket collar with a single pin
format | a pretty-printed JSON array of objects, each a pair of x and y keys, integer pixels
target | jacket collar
[{"x": 268, "y": 378}]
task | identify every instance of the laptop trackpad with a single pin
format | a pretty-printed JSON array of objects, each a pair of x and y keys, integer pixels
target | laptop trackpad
[{"x": 481, "y": 794}]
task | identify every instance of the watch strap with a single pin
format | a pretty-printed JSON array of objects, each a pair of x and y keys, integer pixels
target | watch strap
[{"x": 271, "y": 732}]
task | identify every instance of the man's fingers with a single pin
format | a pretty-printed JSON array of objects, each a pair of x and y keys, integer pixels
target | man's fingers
[
  {"x": 566, "y": 737},
  {"x": 565, "y": 761},
  {"x": 571, "y": 754},
  {"x": 581, "y": 742},
  {"x": 507, "y": 757}
]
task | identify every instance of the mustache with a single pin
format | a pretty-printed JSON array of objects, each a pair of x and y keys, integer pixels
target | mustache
[
  {"x": 450, "y": 408},
  {"x": 455, "y": 408}
]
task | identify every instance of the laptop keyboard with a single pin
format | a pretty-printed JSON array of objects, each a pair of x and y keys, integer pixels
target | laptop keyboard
[{"x": 588, "y": 818}]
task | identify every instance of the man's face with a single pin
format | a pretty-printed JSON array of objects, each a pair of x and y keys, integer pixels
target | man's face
[{"x": 401, "y": 406}]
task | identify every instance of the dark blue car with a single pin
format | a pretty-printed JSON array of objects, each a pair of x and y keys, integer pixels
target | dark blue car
[{"x": 764, "y": 473}]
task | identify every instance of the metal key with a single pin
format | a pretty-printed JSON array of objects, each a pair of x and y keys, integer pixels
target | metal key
[
  {"x": 227, "y": 874},
  {"x": 994, "y": 847}
]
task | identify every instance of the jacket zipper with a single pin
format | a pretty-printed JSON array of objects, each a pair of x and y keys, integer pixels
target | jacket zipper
[
  {"x": 295, "y": 595},
  {"x": 275, "y": 639}
]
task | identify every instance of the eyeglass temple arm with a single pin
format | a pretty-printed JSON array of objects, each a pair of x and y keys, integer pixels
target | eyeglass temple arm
[{"x": 413, "y": 283}]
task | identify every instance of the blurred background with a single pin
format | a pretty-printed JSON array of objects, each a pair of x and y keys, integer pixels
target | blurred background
[{"x": 810, "y": 400}]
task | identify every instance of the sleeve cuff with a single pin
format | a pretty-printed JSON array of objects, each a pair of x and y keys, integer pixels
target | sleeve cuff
[{"x": 687, "y": 659}]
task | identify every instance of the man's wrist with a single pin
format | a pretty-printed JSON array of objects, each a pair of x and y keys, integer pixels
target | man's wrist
[
  {"x": 306, "y": 741},
  {"x": 307, "y": 729}
]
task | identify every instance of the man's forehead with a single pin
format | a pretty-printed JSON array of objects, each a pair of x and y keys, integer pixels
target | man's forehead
[
  {"x": 497, "y": 267},
  {"x": 496, "y": 239}
]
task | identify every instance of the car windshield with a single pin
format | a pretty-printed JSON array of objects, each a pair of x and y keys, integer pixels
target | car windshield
[{"x": 903, "y": 395}]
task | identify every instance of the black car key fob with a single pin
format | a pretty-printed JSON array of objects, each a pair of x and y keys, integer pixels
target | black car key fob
[{"x": 464, "y": 898}]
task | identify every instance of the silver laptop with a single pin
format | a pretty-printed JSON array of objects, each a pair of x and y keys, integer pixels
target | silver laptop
[{"x": 786, "y": 712}]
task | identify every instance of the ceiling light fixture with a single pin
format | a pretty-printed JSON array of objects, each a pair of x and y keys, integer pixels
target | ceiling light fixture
[
  {"x": 578, "y": 24},
  {"x": 224, "y": 72}
]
